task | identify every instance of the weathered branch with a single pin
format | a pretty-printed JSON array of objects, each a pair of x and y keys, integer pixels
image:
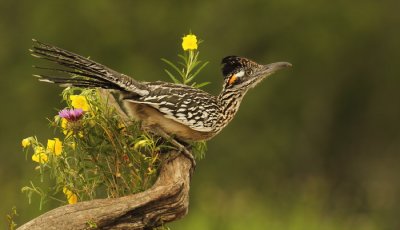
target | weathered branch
[{"x": 167, "y": 200}]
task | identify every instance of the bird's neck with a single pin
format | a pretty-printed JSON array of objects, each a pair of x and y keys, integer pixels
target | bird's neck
[{"x": 229, "y": 101}]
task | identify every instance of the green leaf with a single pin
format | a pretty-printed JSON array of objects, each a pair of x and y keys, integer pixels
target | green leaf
[
  {"x": 172, "y": 77},
  {"x": 172, "y": 65},
  {"x": 198, "y": 71},
  {"x": 199, "y": 149},
  {"x": 195, "y": 63},
  {"x": 182, "y": 64},
  {"x": 184, "y": 58},
  {"x": 188, "y": 79},
  {"x": 202, "y": 84}
]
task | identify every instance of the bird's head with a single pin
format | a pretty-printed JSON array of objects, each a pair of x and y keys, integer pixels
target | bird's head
[{"x": 241, "y": 73}]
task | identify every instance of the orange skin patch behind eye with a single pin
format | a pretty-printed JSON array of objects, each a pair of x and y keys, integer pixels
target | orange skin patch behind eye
[{"x": 232, "y": 79}]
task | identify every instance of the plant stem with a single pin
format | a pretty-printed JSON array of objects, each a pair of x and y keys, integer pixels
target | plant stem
[{"x": 189, "y": 64}]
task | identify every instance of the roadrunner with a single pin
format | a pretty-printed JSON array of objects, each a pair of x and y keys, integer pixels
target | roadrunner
[{"x": 176, "y": 110}]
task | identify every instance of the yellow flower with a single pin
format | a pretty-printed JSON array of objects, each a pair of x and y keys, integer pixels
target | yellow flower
[
  {"x": 140, "y": 144},
  {"x": 65, "y": 128},
  {"x": 71, "y": 197},
  {"x": 79, "y": 102},
  {"x": 40, "y": 156},
  {"x": 189, "y": 42},
  {"x": 64, "y": 125},
  {"x": 26, "y": 142},
  {"x": 54, "y": 146}
]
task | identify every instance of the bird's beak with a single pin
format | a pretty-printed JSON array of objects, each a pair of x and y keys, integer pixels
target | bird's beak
[{"x": 269, "y": 69}]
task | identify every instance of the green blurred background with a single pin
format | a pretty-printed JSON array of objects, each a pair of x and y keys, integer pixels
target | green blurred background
[{"x": 313, "y": 147}]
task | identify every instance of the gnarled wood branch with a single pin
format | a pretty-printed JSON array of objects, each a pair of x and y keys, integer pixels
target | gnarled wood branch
[{"x": 167, "y": 200}]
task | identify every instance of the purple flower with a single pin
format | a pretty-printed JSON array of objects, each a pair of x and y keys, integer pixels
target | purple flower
[{"x": 71, "y": 114}]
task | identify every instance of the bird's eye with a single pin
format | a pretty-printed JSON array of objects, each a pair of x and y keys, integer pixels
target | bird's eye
[{"x": 249, "y": 72}]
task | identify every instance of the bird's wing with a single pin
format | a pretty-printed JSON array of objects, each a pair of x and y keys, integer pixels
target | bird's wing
[{"x": 187, "y": 105}]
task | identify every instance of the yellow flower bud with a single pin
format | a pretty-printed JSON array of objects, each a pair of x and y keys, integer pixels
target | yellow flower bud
[
  {"x": 26, "y": 142},
  {"x": 140, "y": 144}
]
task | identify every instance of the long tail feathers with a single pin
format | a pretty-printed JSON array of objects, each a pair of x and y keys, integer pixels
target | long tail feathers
[{"x": 83, "y": 71}]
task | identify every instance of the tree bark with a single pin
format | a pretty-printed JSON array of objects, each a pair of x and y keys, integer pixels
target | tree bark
[{"x": 167, "y": 200}]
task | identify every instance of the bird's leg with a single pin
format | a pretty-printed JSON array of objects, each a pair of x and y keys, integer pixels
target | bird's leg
[{"x": 182, "y": 149}]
